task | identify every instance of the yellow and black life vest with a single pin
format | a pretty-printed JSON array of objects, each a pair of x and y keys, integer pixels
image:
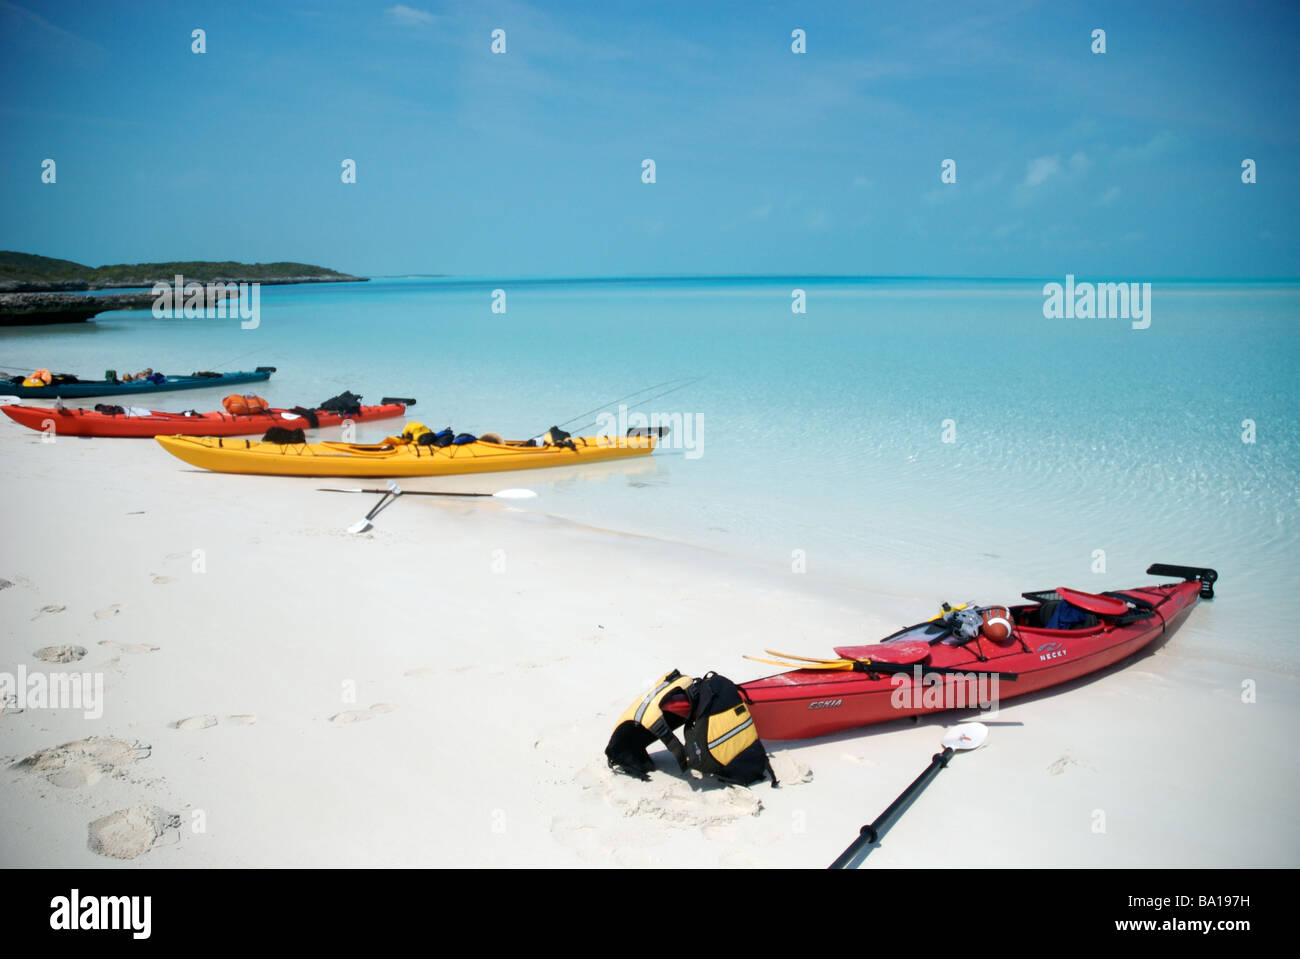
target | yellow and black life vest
[
  {"x": 645, "y": 721},
  {"x": 414, "y": 431},
  {"x": 720, "y": 736}
]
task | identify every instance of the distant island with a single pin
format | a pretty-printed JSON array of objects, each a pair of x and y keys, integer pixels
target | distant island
[{"x": 40, "y": 289}]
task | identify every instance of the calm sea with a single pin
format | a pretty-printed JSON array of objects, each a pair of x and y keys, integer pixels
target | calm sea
[{"x": 939, "y": 439}]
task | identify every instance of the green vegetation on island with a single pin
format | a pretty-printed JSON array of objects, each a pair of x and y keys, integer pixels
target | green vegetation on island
[
  {"x": 40, "y": 289},
  {"x": 22, "y": 272}
]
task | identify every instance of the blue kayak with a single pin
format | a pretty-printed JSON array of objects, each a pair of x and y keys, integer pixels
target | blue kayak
[{"x": 79, "y": 388}]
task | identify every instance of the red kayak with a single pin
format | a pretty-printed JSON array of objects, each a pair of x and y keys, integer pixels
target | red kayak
[
  {"x": 872, "y": 686},
  {"x": 79, "y": 422}
]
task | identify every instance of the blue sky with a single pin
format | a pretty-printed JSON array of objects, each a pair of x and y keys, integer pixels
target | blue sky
[{"x": 1120, "y": 165}]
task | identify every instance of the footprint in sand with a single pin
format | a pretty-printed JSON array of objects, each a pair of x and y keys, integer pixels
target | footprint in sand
[
  {"x": 533, "y": 664},
  {"x": 673, "y": 799},
  {"x": 108, "y": 612},
  {"x": 789, "y": 771},
  {"x": 5, "y": 584},
  {"x": 361, "y": 715},
  {"x": 76, "y": 776},
  {"x": 60, "y": 654},
  {"x": 160, "y": 580},
  {"x": 351, "y": 716},
  {"x": 9, "y": 706},
  {"x": 422, "y": 671},
  {"x": 48, "y": 610},
  {"x": 131, "y": 832},
  {"x": 1064, "y": 763},
  {"x": 129, "y": 647},
  {"x": 601, "y": 845},
  {"x": 205, "y": 721},
  {"x": 83, "y": 762}
]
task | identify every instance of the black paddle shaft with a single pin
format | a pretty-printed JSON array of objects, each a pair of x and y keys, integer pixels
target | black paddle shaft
[
  {"x": 871, "y": 833},
  {"x": 405, "y": 492}
]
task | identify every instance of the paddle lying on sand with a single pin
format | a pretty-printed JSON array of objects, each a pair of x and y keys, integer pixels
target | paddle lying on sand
[
  {"x": 361, "y": 525},
  {"x": 499, "y": 494},
  {"x": 965, "y": 736},
  {"x": 394, "y": 491}
]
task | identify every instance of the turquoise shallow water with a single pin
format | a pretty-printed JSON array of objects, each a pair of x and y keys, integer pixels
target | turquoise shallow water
[{"x": 824, "y": 432}]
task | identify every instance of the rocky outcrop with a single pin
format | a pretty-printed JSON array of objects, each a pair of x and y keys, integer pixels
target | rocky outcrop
[
  {"x": 73, "y": 286},
  {"x": 43, "y": 286},
  {"x": 39, "y": 289},
  {"x": 31, "y": 309}
]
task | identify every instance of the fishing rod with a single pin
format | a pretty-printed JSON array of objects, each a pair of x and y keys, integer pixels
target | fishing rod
[
  {"x": 621, "y": 399},
  {"x": 239, "y": 357},
  {"x": 649, "y": 399}
]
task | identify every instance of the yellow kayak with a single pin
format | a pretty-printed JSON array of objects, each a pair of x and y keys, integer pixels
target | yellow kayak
[{"x": 230, "y": 455}]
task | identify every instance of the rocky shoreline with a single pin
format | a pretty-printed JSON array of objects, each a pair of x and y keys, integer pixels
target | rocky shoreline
[
  {"x": 37, "y": 309},
  {"x": 34, "y": 303},
  {"x": 77, "y": 286}
]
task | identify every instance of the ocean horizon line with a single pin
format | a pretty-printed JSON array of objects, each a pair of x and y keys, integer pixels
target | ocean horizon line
[{"x": 452, "y": 278}]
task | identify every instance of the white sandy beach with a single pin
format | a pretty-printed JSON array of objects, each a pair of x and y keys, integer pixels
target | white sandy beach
[{"x": 440, "y": 691}]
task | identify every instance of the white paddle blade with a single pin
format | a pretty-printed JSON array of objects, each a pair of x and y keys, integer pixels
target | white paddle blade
[
  {"x": 360, "y": 526},
  {"x": 515, "y": 494},
  {"x": 966, "y": 736},
  {"x": 394, "y": 488}
]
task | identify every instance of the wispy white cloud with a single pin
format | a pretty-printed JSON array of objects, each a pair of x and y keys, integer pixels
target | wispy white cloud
[
  {"x": 1109, "y": 197},
  {"x": 1044, "y": 169},
  {"x": 410, "y": 16},
  {"x": 1040, "y": 170},
  {"x": 1158, "y": 145},
  {"x": 20, "y": 22},
  {"x": 862, "y": 183}
]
